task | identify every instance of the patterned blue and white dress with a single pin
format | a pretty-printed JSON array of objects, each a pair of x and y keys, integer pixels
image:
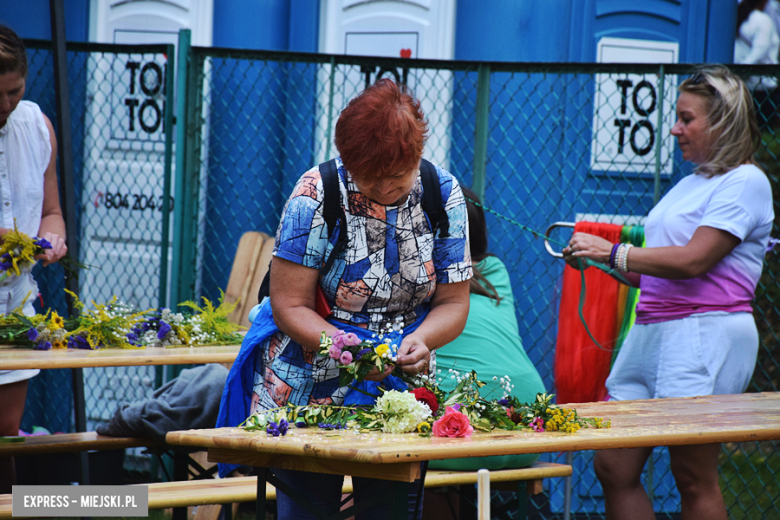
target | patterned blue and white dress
[{"x": 387, "y": 272}]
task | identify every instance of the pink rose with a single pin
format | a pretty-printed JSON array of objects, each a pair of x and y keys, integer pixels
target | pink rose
[
  {"x": 351, "y": 339},
  {"x": 334, "y": 351},
  {"x": 346, "y": 357},
  {"x": 452, "y": 424}
]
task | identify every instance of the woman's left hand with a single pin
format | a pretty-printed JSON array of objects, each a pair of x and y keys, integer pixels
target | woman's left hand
[
  {"x": 57, "y": 251},
  {"x": 413, "y": 356}
]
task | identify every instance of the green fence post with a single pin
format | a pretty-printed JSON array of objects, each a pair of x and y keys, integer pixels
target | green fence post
[
  {"x": 186, "y": 198},
  {"x": 659, "y": 136},
  {"x": 331, "y": 87},
  {"x": 481, "y": 130},
  {"x": 167, "y": 167}
]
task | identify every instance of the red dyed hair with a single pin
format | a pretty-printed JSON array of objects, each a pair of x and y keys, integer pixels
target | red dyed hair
[{"x": 381, "y": 132}]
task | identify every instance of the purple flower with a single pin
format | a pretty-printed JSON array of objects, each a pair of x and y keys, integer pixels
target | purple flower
[
  {"x": 46, "y": 345},
  {"x": 301, "y": 424},
  {"x": 78, "y": 342},
  {"x": 346, "y": 357},
  {"x": 42, "y": 243},
  {"x": 456, "y": 407},
  {"x": 362, "y": 353},
  {"x": 503, "y": 402},
  {"x": 283, "y": 425},
  {"x": 32, "y": 334},
  {"x": 164, "y": 330},
  {"x": 272, "y": 429}
]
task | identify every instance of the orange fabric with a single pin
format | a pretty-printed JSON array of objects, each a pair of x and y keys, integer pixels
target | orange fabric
[
  {"x": 621, "y": 307},
  {"x": 581, "y": 367}
]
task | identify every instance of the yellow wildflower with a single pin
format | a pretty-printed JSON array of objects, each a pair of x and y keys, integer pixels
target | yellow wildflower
[
  {"x": 424, "y": 427},
  {"x": 382, "y": 349},
  {"x": 56, "y": 321}
]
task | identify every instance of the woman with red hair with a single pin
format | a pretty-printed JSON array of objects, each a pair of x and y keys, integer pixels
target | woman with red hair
[{"x": 396, "y": 273}]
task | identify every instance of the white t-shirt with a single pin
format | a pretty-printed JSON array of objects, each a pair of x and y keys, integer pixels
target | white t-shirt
[
  {"x": 739, "y": 202},
  {"x": 757, "y": 44}
]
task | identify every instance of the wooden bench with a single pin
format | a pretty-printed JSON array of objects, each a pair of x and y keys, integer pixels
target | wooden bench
[
  {"x": 71, "y": 442},
  {"x": 244, "y": 489}
]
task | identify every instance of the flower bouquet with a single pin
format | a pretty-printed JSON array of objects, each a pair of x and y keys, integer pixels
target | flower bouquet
[
  {"x": 18, "y": 251},
  {"x": 356, "y": 357},
  {"x": 208, "y": 325}
]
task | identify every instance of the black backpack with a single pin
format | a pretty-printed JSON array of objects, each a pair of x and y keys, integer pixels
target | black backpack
[{"x": 332, "y": 212}]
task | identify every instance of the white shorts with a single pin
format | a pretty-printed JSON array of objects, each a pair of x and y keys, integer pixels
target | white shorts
[{"x": 704, "y": 354}]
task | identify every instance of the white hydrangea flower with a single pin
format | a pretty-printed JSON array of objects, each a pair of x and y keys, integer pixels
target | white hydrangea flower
[{"x": 402, "y": 411}]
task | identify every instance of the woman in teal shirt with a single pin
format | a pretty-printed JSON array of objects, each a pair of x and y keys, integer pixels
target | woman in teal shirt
[{"x": 490, "y": 343}]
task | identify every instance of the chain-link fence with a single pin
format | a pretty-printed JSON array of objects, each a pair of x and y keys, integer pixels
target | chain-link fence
[
  {"x": 540, "y": 143},
  {"x": 118, "y": 112}
]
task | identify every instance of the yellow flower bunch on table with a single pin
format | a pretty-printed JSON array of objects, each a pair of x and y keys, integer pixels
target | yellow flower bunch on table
[{"x": 105, "y": 326}]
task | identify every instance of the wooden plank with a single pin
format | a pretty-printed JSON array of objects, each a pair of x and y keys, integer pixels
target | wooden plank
[
  {"x": 200, "y": 492},
  {"x": 539, "y": 470},
  {"x": 242, "y": 272},
  {"x": 253, "y": 286},
  {"x": 6, "y": 506},
  {"x": 18, "y": 358},
  {"x": 69, "y": 442},
  {"x": 402, "y": 471},
  {"x": 659, "y": 422}
]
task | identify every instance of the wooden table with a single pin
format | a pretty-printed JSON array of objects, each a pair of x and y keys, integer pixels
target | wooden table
[
  {"x": 16, "y": 358},
  {"x": 654, "y": 422}
]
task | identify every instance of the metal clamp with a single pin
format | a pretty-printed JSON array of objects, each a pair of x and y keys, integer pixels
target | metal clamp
[{"x": 547, "y": 245}]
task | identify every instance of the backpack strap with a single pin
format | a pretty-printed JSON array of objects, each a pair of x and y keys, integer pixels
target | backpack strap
[
  {"x": 332, "y": 210},
  {"x": 432, "y": 203}
]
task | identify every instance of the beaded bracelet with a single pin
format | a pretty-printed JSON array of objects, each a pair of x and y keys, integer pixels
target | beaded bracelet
[
  {"x": 623, "y": 263},
  {"x": 612, "y": 255},
  {"x": 619, "y": 256}
]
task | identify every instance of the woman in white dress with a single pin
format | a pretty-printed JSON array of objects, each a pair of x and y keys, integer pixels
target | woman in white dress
[{"x": 28, "y": 195}]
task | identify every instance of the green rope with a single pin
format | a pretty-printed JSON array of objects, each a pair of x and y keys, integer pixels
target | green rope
[{"x": 581, "y": 263}]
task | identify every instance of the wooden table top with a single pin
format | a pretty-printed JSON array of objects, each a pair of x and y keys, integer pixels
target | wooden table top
[
  {"x": 15, "y": 358},
  {"x": 654, "y": 422}
]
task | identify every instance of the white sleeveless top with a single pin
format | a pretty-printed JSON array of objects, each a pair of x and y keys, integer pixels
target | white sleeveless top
[{"x": 25, "y": 152}]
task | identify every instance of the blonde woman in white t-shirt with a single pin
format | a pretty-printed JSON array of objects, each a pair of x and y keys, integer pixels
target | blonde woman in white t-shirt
[
  {"x": 29, "y": 194},
  {"x": 694, "y": 333}
]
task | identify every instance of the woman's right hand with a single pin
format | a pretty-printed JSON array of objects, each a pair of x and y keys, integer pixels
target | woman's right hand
[{"x": 592, "y": 247}]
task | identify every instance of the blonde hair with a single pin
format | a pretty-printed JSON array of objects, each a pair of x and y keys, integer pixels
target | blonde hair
[{"x": 730, "y": 116}]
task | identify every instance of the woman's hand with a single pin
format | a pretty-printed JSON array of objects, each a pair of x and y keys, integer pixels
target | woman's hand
[
  {"x": 57, "y": 251},
  {"x": 376, "y": 375},
  {"x": 413, "y": 357},
  {"x": 583, "y": 245}
]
